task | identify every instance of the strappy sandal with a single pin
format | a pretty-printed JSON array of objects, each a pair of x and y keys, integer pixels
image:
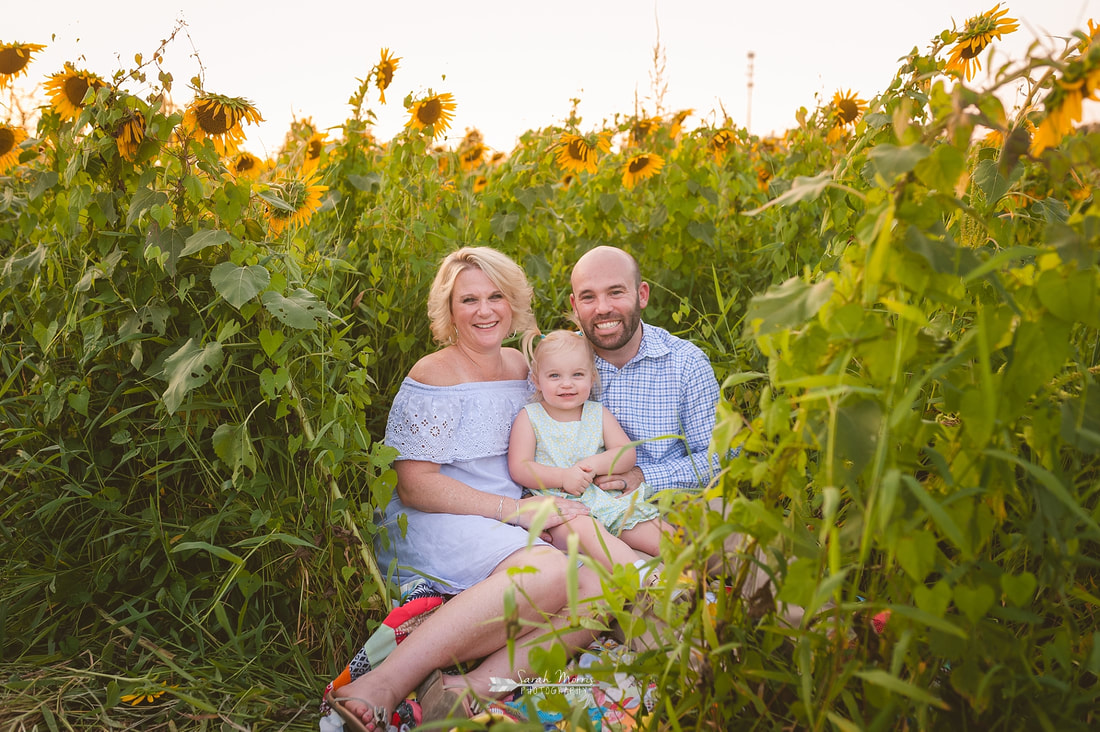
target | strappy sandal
[
  {"x": 438, "y": 703},
  {"x": 406, "y": 716},
  {"x": 354, "y": 722}
]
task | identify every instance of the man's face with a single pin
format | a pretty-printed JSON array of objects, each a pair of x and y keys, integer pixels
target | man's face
[{"x": 608, "y": 305}]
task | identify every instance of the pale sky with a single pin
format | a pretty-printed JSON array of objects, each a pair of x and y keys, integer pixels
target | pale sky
[{"x": 514, "y": 65}]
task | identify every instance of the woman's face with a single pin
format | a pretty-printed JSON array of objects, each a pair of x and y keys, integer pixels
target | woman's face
[{"x": 481, "y": 313}]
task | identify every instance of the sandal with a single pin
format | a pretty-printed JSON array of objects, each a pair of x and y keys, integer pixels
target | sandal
[
  {"x": 406, "y": 716},
  {"x": 354, "y": 722},
  {"x": 437, "y": 702}
]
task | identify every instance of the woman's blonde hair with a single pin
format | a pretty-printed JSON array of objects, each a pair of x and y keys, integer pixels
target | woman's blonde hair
[
  {"x": 536, "y": 346},
  {"x": 504, "y": 274}
]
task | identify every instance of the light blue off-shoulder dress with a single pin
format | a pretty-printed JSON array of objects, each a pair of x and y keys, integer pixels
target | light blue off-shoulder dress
[{"x": 464, "y": 429}]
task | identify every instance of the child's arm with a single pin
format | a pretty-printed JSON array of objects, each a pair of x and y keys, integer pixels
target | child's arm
[
  {"x": 535, "y": 476},
  {"x": 617, "y": 457}
]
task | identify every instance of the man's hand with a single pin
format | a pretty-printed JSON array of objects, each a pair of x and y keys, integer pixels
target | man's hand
[
  {"x": 576, "y": 479},
  {"x": 625, "y": 482}
]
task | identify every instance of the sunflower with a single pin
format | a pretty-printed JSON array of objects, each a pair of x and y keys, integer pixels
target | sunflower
[
  {"x": 847, "y": 107},
  {"x": 497, "y": 159},
  {"x": 1064, "y": 106},
  {"x": 576, "y": 153},
  {"x": 471, "y": 157},
  {"x": 480, "y": 184},
  {"x": 567, "y": 180},
  {"x": 763, "y": 177},
  {"x": 719, "y": 144},
  {"x": 246, "y": 165},
  {"x": 68, "y": 88},
  {"x": 315, "y": 145},
  {"x": 219, "y": 118},
  {"x": 14, "y": 58},
  {"x": 641, "y": 167},
  {"x": 978, "y": 33},
  {"x": 302, "y": 196},
  {"x": 383, "y": 73},
  {"x": 678, "y": 121},
  {"x": 433, "y": 113},
  {"x": 642, "y": 128},
  {"x": 1064, "y": 103},
  {"x": 10, "y": 139},
  {"x": 129, "y": 134}
]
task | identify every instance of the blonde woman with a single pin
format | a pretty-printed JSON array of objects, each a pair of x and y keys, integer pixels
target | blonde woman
[{"x": 457, "y": 518}]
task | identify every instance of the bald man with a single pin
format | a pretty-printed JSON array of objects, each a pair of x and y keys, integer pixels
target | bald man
[{"x": 661, "y": 388}]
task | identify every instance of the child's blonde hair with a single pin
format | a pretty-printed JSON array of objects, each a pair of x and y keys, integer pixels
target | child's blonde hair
[{"x": 538, "y": 346}]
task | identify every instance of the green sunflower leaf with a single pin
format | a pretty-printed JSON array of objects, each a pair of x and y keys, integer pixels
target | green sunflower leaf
[
  {"x": 233, "y": 446},
  {"x": 188, "y": 368},
  {"x": 205, "y": 238},
  {"x": 239, "y": 284},
  {"x": 301, "y": 310}
]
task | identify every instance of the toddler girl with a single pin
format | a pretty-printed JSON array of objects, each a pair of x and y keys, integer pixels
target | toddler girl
[{"x": 561, "y": 441}]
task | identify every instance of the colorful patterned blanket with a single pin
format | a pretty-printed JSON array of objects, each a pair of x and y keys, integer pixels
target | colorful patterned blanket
[{"x": 616, "y": 706}]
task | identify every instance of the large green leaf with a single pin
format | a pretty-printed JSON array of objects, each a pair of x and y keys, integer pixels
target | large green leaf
[
  {"x": 301, "y": 310},
  {"x": 789, "y": 305},
  {"x": 890, "y": 161},
  {"x": 189, "y": 367},
  {"x": 205, "y": 238},
  {"x": 233, "y": 445},
  {"x": 239, "y": 284}
]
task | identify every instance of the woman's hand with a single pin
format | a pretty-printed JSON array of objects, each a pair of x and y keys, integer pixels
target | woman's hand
[{"x": 558, "y": 511}]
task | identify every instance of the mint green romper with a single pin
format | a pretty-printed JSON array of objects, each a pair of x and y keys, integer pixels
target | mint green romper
[{"x": 563, "y": 444}]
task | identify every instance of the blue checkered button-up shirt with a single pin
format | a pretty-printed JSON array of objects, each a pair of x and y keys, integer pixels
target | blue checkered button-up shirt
[{"x": 665, "y": 395}]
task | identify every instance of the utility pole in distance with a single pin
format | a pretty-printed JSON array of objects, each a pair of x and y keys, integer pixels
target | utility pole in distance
[{"x": 748, "y": 106}]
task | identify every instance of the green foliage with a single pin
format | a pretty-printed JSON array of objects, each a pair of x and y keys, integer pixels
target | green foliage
[{"x": 905, "y": 323}]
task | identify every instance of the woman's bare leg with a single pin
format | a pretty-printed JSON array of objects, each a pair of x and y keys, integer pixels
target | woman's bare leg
[{"x": 466, "y": 627}]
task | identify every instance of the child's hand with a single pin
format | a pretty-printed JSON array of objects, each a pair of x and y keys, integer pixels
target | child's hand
[{"x": 576, "y": 479}]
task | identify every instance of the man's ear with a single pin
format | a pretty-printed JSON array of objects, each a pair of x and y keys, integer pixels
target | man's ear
[
  {"x": 573, "y": 302},
  {"x": 643, "y": 294}
]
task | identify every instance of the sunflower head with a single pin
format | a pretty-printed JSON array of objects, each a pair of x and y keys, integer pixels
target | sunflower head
[
  {"x": 678, "y": 121},
  {"x": 300, "y": 196},
  {"x": 576, "y": 153},
  {"x": 847, "y": 108},
  {"x": 497, "y": 159},
  {"x": 641, "y": 129},
  {"x": 68, "y": 88},
  {"x": 720, "y": 143},
  {"x": 383, "y": 73},
  {"x": 977, "y": 33},
  {"x": 314, "y": 148},
  {"x": 129, "y": 134},
  {"x": 640, "y": 167},
  {"x": 470, "y": 157},
  {"x": 480, "y": 184},
  {"x": 763, "y": 176},
  {"x": 14, "y": 58},
  {"x": 219, "y": 118},
  {"x": 10, "y": 140},
  {"x": 432, "y": 114},
  {"x": 246, "y": 165}
]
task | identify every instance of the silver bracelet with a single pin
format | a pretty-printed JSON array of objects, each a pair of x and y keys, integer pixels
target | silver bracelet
[{"x": 500, "y": 508}]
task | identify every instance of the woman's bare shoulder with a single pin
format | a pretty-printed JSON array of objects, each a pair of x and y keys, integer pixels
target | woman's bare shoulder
[
  {"x": 435, "y": 369},
  {"x": 515, "y": 363}
]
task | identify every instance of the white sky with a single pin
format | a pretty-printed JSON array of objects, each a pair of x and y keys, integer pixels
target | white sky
[{"x": 514, "y": 65}]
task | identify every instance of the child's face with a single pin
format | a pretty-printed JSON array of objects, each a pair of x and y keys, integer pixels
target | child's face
[{"x": 565, "y": 378}]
